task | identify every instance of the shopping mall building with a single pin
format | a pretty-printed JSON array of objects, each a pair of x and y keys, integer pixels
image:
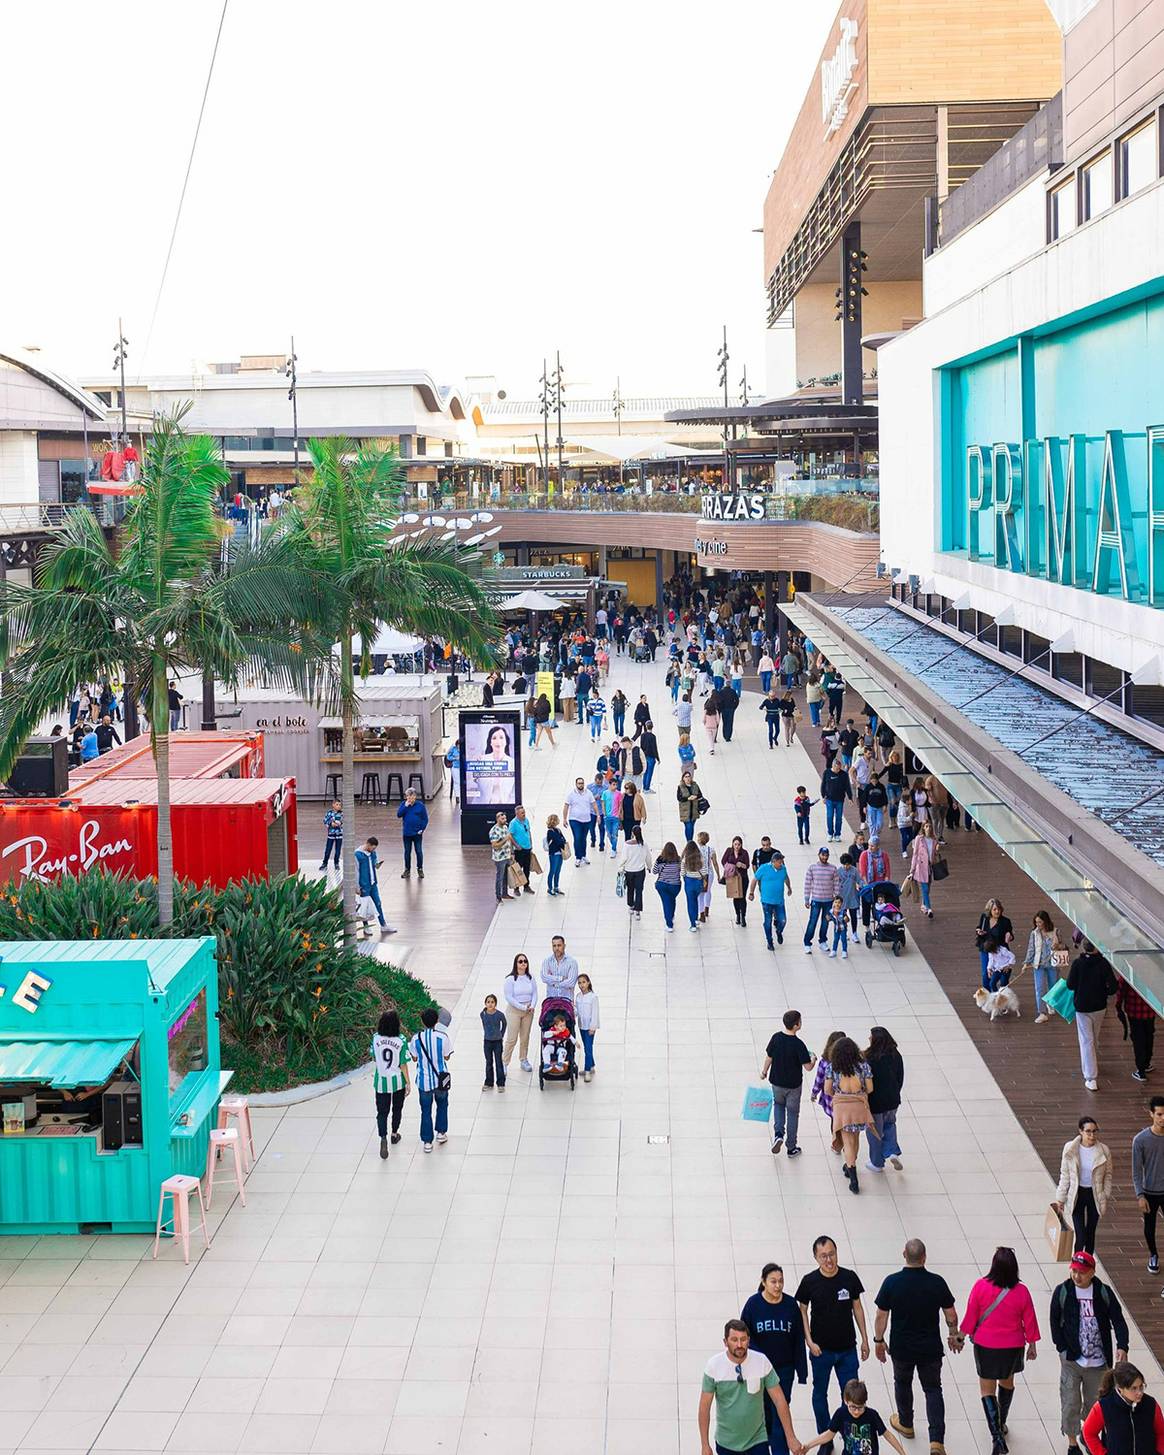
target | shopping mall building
[{"x": 1022, "y": 494}]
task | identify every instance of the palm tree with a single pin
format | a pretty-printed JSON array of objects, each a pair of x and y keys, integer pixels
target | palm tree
[
  {"x": 342, "y": 523},
  {"x": 152, "y": 606}
]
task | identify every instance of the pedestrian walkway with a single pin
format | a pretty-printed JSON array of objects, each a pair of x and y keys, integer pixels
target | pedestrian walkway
[{"x": 552, "y": 1281}]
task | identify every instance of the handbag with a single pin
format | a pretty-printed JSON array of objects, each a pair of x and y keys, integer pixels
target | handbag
[
  {"x": 620, "y": 883},
  {"x": 516, "y": 876},
  {"x": 1061, "y": 1000},
  {"x": 366, "y": 907},
  {"x": 939, "y": 868},
  {"x": 1060, "y": 1238},
  {"x": 702, "y": 806},
  {"x": 444, "y": 1079},
  {"x": 757, "y": 1103}
]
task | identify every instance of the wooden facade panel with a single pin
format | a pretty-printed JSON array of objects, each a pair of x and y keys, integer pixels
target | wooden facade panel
[
  {"x": 962, "y": 50},
  {"x": 826, "y": 551}
]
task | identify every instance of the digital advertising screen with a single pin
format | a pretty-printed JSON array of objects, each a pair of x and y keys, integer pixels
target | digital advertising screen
[{"x": 490, "y": 760}]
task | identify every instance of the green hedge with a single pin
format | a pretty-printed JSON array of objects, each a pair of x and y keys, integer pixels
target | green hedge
[{"x": 295, "y": 1005}]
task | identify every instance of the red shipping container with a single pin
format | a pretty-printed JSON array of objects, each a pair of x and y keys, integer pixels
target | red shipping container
[
  {"x": 223, "y": 829},
  {"x": 192, "y": 755}
]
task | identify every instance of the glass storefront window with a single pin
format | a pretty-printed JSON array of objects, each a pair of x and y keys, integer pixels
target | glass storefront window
[
  {"x": 1138, "y": 161},
  {"x": 1063, "y": 210},
  {"x": 188, "y": 1047},
  {"x": 1097, "y": 186}
]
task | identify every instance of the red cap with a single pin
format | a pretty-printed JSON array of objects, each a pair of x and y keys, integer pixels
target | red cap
[{"x": 1083, "y": 1260}]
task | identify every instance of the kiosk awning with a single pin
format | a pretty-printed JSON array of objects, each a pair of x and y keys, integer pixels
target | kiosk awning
[{"x": 61, "y": 1063}]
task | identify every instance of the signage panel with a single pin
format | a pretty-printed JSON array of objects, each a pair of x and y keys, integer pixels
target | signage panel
[{"x": 721, "y": 505}]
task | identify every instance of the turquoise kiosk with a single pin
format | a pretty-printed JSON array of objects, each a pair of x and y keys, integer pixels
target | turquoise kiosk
[{"x": 109, "y": 1079}]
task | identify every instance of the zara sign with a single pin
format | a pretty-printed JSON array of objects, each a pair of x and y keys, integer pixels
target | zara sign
[{"x": 836, "y": 78}]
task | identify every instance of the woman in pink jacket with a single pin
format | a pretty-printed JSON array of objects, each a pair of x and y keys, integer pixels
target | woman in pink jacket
[
  {"x": 1000, "y": 1320},
  {"x": 921, "y": 863}
]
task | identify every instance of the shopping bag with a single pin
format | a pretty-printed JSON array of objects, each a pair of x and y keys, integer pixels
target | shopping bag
[
  {"x": 757, "y": 1104},
  {"x": 366, "y": 907},
  {"x": 620, "y": 884},
  {"x": 1061, "y": 1000},
  {"x": 939, "y": 868},
  {"x": 1060, "y": 1237},
  {"x": 516, "y": 877},
  {"x": 535, "y": 865}
]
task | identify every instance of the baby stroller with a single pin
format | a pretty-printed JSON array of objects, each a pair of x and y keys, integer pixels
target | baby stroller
[
  {"x": 882, "y": 931},
  {"x": 642, "y": 652},
  {"x": 565, "y": 1068}
]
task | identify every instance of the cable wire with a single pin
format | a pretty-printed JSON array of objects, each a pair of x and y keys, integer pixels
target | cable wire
[{"x": 185, "y": 184}]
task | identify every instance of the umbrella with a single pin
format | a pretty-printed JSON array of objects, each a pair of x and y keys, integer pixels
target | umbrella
[{"x": 532, "y": 601}]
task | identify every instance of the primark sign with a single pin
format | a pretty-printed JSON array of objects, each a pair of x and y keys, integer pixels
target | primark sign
[{"x": 1082, "y": 510}]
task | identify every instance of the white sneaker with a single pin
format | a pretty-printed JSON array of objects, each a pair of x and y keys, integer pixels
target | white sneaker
[
  {"x": 670, "y": 929},
  {"x": 428, "y": 1146},
  {"x": 442, "y": 1137},
  {"x": 1039, "y": 1019},
  {"x": 1091, "y": 1086},
  {"x": 832, "y": 954},
  {"x": 808, "y": 949},
  {"x": 844, "y": 954},
  {"x": 694, "y": 929}
]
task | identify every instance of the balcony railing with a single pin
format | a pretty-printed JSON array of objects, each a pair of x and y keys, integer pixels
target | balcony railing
[{"x": 37, "y": 516}]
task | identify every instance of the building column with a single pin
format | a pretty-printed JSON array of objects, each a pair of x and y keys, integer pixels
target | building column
[
  {"x": 523, "y": 555},
  {"x": 658, "y": 578},
  {"x": 781, "y": 618},
  {"x": 852, "y": 386}
]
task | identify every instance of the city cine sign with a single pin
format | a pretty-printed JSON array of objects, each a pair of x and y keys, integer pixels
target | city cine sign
[
  {"x": 836, "y": 78},
  {"x": 1079, "y": 511},
  {"x": 716, "y": 505}
]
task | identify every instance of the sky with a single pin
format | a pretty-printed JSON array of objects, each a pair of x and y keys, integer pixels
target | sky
[{"x": 460, "y": 187}]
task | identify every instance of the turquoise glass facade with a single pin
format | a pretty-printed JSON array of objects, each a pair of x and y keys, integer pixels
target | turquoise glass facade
[{"x": 1052, "y": 451}]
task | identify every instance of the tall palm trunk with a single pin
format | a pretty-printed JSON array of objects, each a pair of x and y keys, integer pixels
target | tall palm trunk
[
  {"x": 348, "y": 791},
  {"x": 160, "y": 715}
]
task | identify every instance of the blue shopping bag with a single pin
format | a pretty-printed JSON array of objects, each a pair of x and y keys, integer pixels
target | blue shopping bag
[
  {"x": 757, "y": 1104},
  {"x": 1061, "y": 1000}
]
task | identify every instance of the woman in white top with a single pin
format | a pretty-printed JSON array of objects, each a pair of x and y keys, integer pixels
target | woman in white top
[
  {"x": 711, "y": 872},
  {"x": 568, "y": 693},
  {"x": 521, "y": 999},
  {"x": 586, "y": 1007},
  {"x": 634, "y": 863},
  {"x": 1084, "y": 1183}
]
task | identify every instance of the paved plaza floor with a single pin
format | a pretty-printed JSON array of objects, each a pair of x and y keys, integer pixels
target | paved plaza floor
[{"x": 555, "y": 1277}]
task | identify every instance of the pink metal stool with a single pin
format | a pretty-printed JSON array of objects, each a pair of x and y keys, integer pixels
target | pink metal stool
[
  {"x": 179, "y": 1188},
  {"x": 222, "y": 1139},
  {"x": 239, "y": 1108}
]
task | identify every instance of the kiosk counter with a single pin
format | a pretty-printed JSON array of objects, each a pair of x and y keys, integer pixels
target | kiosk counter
[{"x": 110, "y": 1078}]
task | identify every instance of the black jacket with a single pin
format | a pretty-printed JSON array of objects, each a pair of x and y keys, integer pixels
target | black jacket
[
  {"x": 834, "y": 787},
  {"x": 888, "y": 1078},
  {"x": 1092, "y": 981},
  {"x": 1065, "y": 1318},
  {"x": 729, "y": 700},
  {"x": 650, "y": 745}
]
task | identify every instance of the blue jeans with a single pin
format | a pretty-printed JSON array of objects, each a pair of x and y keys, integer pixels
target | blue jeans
[
  {"x": 598, "y": 830},
  {"x": 583, "y": 699},
  {"x": 555, "y": 873},
  {"x": 840, "y": 938},
  {"x": 579, "y": 832},
  {"x": 675, "y": 689},
  {"x": 613, "y": 823},
  {"x": 875, "y": 817},
  {"x": 652, "y": 764},
  {"x": 330, "y": 847},
  {"x": 374, "y": 895},
  {"x": 718, "y": 683},
  {"x": 493, "y": 1063},
  {"x": 814, "y": 713},
  {"x": 774, "y": 914},
  {"x": 765, "y": 682},
  {"x": 803, "y": 828},
  {"x": 777, "y": 1440},
  {"x": 818, "y": 911},
  {"x": 689, "y": 830},
  {"x": 786, "y": 1113},
  {"x": 619, "y": 721},
  {"x": 588, "y": 1049},
  {"x": 773, "y": 731},
  {"x": 692, "y": 889},
  {"x": 834, "y": 815},
  {"x": 595, "y": 726},
  {"x": 885, "y": 1143},
  {"x": 906, "y": 837},
  {"x": 413, "y": 841},
  {"x": 924, "y": 889},
  {"x": 1044, "y": 979},
  {"x": 442, "y": 1113},
  {"x": 844, "y": 1362},
  {"x": 668, "y": 893},
  {"x": 533, "y": 730}
]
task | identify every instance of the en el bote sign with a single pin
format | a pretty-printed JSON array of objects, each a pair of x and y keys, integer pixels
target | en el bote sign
[{"x": 1064, "y": 510}]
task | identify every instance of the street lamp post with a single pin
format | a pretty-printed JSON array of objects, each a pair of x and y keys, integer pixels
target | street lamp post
[
  {"x": 618, "y": 422},
  {"x": 120, "y": 349},
  {"x": 293, "y": 395},
  {"x": 545, "y": 399},
  {"x": 559, "y": 389},
  {"x": 722, "y": 355}
]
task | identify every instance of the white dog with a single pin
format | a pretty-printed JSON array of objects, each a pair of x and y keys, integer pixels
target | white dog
[{"x": 997, "y": 1002}]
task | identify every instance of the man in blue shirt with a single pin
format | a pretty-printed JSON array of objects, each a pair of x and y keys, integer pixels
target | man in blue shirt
[
  {"x": 90, "y": 748},
  {"x": 415, "y": 820},
  {"x": 430, "y": 1053},
  {"x": 771, "y": 879}
]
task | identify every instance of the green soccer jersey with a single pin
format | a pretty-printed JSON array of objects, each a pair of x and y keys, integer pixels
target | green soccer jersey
[{"x": 389, "y": 1053}]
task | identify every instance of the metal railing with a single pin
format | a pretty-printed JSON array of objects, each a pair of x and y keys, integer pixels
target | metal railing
[{"x": 37, "y": 516}]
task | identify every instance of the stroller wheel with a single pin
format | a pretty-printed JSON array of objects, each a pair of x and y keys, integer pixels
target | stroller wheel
[{"x": 897, "y": 947}]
